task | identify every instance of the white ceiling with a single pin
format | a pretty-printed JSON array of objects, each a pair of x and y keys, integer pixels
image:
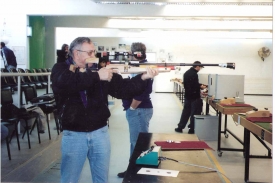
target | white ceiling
[
  {"x": 204, "y": 15},
  {"x": 182, "y": 1}
]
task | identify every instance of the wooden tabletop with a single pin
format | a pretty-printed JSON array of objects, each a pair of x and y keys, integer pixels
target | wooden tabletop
[
  {"x": 187, "y": 173},
  {"x": 228, "y": 109},
  {"x": 264, "y": 134}
]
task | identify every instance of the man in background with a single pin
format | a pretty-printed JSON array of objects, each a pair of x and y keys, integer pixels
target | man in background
[
  {"x": 62, "y": 55},
  {"x": 192, "y": 98},
  {"x": 139, "y": 108},
  {"x": 8, "y": 57}
]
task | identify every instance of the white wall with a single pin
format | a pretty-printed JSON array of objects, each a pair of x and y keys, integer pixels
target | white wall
[
  {"x": 243, "y": 52},
  {"x": 16, "y": 34}
]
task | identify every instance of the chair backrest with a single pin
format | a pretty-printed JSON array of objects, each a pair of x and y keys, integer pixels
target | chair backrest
[
  {"x": 30, "y": 93},
  {"x": 8, "y": 109},
  {"x": 31, "y": 78},
  {"x": 9, "y": 79},
  {"x": 20, "y": 70},
  {"x": 39, "y": 78},
  {"x": 24, "y": 79},
  {"x": 4, "y": 70},
  {"x": 6, "y": 97},
  {"x": 13, "y": 70},
  {"x": 45, "y": 78}
]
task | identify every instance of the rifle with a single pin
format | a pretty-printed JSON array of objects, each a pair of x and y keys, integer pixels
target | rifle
[{"x": 134, "y": 67}]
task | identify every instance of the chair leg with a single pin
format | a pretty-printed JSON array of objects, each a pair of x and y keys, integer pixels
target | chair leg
[
  {"x": 48, "y": 126},
  {"x": 12, "y": 135},
  {"x": 35, "y": 123},
  {"x": 38, "y": 131},
  {"x": 8, "y": 148},
  {"x": 17, "y": 136},
  {"x": 24, "y": 133},
  {"x": 56, "y": 122},
  {"x": 27, "y": 128}
]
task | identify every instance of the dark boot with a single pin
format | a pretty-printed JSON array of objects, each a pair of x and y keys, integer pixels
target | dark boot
[
  {"x": 121, "y": 175},
  {"x": 178, "y": 130}
]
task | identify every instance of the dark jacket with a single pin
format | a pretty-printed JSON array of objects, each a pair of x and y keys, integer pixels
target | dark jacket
[
  {"x": 144, "y": 97},
  {"x": 75, "y": 113},
  {"x": 10, "y": 57},
  {"x": 61, "y": 56},
  {"x": 191, "y": 84}
]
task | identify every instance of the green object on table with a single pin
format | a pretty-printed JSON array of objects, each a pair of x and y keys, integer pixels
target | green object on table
[
  {"x": 150, "y": 157},
  {"x": 264, "y": 126}
]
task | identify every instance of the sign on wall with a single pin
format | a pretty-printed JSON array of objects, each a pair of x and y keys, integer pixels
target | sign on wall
[{"x": 20, "y": 54}]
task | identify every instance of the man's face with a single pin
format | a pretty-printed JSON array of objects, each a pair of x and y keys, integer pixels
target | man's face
[
  {"x": 198, "y": 68},
  {"x": 102, "y": 64},
  {"x": 80, "y": 55}
]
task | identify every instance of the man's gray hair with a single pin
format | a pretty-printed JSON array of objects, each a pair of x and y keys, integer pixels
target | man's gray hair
[
  {"x": 139, "y": 47},
  {"x": 77, "y": 43}
]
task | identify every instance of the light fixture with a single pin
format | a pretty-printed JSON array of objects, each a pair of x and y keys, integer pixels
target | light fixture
[
  {"x": 181, "y": 2},
  {"x": 29, "y": 31}
]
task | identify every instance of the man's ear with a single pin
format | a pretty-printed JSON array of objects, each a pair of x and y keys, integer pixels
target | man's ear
[{"x": 75, "y": 54}]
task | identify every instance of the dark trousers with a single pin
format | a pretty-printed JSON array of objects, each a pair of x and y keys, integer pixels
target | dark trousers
[{"x": 191, "y": 107}]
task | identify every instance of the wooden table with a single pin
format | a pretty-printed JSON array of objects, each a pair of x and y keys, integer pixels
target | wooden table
[
  {"x": 178, "y": 89},
  {"x": 220, "y": 110},
  {"x": 187, "y": 173},
  {"x": 257, "y": 131}
]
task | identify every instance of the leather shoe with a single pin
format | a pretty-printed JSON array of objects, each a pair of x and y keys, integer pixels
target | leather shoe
[
  {"x": 178, "y": 130},
  {"x": 122, "y": 174},
  {"x": 41, "y": 131},
  {"x": 191, "y": 131}
]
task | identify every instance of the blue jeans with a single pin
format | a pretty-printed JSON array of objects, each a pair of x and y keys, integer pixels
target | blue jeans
[
  {"x": 138, "y": 121},
  {"x": 76, "y": 146},
  {"x": 10, "y": 67}
]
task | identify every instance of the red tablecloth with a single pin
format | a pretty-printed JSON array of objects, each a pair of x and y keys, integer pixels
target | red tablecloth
[
  {"x": 183, "y": 145},
  {"x": 236, "y": 105},
  {"x": 260, "y": 119}
]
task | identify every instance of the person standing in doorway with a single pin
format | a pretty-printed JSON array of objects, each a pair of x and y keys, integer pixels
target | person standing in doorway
[
  {"x": 63, "y": 54},
  {"x": 8, "y": 57},
  {"x": 192, "y": 98},
  {"x": 102, "y": 62},
  {"x": 139, "y": 109}
]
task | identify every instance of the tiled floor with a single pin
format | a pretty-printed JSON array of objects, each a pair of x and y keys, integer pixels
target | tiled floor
[{"x": 41, "y": 163}]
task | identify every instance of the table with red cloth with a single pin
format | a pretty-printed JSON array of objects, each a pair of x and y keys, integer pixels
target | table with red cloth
[
  {"x": 225, "y": 109},
  {"x": 190, "y": 174},
  {"x": 259, "y": 127}
]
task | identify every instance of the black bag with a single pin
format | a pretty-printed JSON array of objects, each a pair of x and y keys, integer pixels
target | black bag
[
  {"x": 9, "y": 111},
  {"x": 44, "y": 99}
]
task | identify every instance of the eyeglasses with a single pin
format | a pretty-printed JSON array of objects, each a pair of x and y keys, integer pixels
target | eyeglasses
[{"x": 89, "y": 52}]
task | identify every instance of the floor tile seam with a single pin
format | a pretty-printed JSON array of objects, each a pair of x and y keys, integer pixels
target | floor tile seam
[
  {"x": 32, "y": 158},
  {"x": 216, "y": 163}
]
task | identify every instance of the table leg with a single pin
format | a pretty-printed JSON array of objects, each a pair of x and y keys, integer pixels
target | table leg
[
  {"x": 247, "y": 154},
  {"x": 219, "y": 133},
  {"x": 207, "y": 109}
]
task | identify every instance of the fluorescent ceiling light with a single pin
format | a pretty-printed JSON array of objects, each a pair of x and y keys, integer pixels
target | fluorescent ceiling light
[
  {"x": 184, "y": 2},
  {"x": 96, "y": 32},
  {"x": 191, "y": 24}
]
